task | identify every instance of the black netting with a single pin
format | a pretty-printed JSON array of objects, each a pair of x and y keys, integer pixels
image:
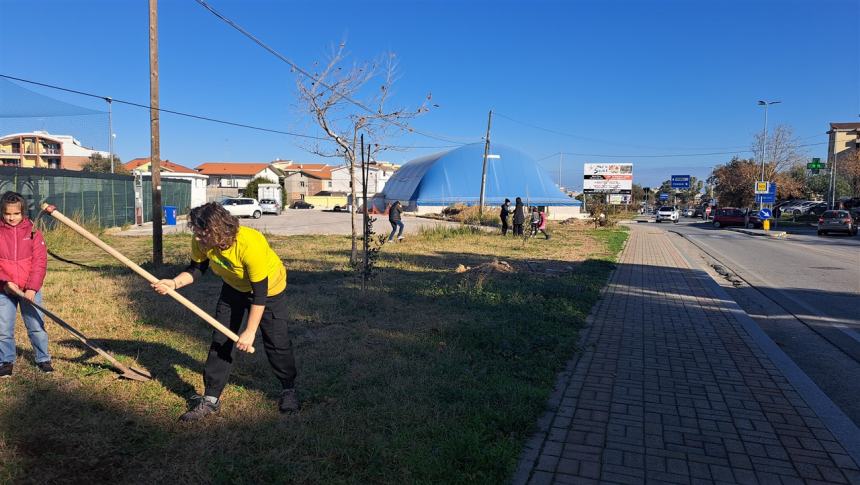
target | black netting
[{"x": 90, "y": 196}]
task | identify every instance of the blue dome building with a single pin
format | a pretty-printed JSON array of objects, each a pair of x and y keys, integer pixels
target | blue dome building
[{"x": 431, "y": 183}]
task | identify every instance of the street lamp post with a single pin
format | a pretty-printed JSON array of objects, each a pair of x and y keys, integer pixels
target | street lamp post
[{"x": 764, "y": 139}]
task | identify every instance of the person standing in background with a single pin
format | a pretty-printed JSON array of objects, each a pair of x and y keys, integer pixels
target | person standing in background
[
  {"x": 394, "y": 218},
  {"x": 519, "y": 217},
  {"x": 504, "y": 215}
]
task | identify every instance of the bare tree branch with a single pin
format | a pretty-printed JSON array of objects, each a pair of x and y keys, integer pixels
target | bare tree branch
[{"x": 332, "y": 100}]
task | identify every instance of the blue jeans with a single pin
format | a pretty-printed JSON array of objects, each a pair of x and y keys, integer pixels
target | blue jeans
[
  {"x": 394, "y": 226},
  {"x": 33, "y": 320}
]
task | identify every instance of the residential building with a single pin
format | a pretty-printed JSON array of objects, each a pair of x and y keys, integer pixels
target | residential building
[
  {"x": 303, "y": 179},
  {"x": 378, "y": 174},
  {"x": 170, "y": 170},
  {"x": 236, "y": 175},
  {"x": 40, "y": 149},
  {"x": 843, "y": 136}
]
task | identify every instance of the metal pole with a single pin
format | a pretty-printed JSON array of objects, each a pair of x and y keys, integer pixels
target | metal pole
[
  {"x": 155, "y": 156},
  {"x": 364, "y": 175},
  {"x": 484, "y": 169},
  {"x": 833, "y": 175},
  {"x": 110, "y": 131},
  {"x": 763, "y": 152},
  {"x": 560, "y": 160}
]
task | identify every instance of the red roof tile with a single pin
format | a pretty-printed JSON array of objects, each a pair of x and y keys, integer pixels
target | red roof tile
[
  {"x": 230, "y": 168},
  {"x": 166, "y": 165}
]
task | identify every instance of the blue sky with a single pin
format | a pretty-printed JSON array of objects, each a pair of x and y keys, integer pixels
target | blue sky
[{"x": 624, "y": 79}]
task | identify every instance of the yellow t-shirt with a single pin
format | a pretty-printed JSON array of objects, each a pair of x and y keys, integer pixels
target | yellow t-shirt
[{"x": 249, "y": 259}]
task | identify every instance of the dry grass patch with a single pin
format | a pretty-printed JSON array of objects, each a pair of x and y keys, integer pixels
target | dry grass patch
[{"x": 430, "y": 377}]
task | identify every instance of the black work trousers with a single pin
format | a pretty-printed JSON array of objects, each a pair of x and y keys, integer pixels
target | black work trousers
[
  {"x": 232, "y": 307},
  {"x": 504, "y": 225}
]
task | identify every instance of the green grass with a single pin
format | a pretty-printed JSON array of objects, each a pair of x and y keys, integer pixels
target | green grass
[{"x": 432, "y": 376}]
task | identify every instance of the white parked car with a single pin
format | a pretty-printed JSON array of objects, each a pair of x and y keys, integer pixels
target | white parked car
[
  {"x": 243, "y": 207},
  {"x": 667, "y": 213}
]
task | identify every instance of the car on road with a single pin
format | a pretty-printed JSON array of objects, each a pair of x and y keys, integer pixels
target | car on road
[
  {"x": 837, "y": 221},
  {"x": 689, "y": 212},
  {"x": 270, "y": 206},
  {"x": 667, "y": 213},
  {"x": 300, "y": 204},
  {"x": 243, "y": 207},
  {"x": 732, "y": 216}
]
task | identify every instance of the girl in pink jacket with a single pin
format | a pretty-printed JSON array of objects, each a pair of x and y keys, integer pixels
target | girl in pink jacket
[{"x": 23, "y": 260}]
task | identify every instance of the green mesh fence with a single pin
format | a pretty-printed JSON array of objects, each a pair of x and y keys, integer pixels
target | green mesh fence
[{"x": 91, "y": 196}]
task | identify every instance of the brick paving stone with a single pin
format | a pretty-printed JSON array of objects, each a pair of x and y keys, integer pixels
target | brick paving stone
[{"x": 669, "y": 387}]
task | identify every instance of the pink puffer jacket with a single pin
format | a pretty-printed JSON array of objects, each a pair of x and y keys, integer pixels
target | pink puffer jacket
[{"x": 23, "y": 255}]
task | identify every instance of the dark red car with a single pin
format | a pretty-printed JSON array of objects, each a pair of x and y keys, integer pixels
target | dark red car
[{"x": 732, "y": 216}]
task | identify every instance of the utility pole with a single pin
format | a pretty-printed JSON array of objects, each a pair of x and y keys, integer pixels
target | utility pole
[
  {"x": 155, "y": 145},
  {"x": 110, "y": 131},
  {"x": 560, "y": 160},
  {"x": 484, "y": 169}
]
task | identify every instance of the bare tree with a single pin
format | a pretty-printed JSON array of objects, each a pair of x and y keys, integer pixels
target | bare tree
[
  {"x": 347, "y": 102},
  {"x": 782, "y": 154}
]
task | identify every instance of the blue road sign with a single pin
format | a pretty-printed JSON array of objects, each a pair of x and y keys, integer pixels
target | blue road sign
[
  {"x": 680, "y": 181},
  {"x": 769, "y": 197},
  {"x": 664, "y": 196},
  {"x": 764, "y": 214}
]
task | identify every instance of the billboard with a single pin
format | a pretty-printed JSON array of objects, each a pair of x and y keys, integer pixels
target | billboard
[
  {"x": 608, "y": 178},
  {"x": 620, "y": 199}
]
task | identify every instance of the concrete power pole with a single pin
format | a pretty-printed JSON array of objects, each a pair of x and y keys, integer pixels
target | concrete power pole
[
  {"x": 155, "y": 145},
  {"x": 484, "y": 170}
]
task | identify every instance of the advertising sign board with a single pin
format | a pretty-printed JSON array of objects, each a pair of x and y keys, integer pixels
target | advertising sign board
[
  {"x": 620, "y": 199},
  {"x": 608, "y": 178}
]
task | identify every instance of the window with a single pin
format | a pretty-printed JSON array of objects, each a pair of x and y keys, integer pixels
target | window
[
  {"x": 301, "y": 184},
  {"x": 329, "y": 184}
]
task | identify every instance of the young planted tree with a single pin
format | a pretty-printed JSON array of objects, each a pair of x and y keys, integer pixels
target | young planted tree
[{"x": 346, "y": 101}]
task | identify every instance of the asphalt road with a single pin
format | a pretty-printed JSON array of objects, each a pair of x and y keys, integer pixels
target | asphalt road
[{"x": 804, "y": 291}]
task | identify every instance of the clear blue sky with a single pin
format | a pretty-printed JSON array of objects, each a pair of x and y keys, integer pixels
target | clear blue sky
[{"x": 623, "y": 78}]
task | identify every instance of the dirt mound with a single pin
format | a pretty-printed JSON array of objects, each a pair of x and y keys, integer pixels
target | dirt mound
[{"x": 494, "y": 266}]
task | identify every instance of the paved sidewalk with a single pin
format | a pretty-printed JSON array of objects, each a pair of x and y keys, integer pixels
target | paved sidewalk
[{"x": 669, "y": 387}]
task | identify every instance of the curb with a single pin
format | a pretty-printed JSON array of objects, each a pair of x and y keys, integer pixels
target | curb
[
  {"x": 840, "y": 425},
  {"x": 754, "y": 232}
]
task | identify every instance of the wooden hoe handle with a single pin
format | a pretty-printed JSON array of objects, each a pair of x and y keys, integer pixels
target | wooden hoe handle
[{"x": 50, "y": 209}]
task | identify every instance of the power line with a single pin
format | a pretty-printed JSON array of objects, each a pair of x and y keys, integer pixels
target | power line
[
  {"x": 625, "y": 144},
  {"x": 163, "y": 110},
  {"x": 190, "y": 115},
  {"x": 672, "y": 155},
  {"x": 297, "y": 68}
]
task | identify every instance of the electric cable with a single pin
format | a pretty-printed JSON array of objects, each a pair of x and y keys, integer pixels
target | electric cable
[
  {"x": 297, "y": 68},
  {"x": 188, "y": 115}
]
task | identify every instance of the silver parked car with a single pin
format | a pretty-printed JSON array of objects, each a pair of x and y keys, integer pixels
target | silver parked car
[
  {"x": 837, "y": 221},
  {"x": 270, "y": 206}
]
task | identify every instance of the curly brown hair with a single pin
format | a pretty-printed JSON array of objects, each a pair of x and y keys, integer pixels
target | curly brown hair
[{"x": 213, "y": 225}]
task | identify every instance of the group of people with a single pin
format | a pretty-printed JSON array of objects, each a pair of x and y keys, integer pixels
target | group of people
[
  {"x": 254, "y": 285},
  {"x": 536, "y": 218}
]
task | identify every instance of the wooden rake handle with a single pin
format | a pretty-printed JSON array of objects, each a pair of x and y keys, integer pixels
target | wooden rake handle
[{"x": 50, "y": 209}]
